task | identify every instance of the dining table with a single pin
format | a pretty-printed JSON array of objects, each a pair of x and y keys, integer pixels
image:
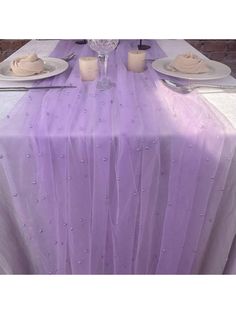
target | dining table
[{"x": 136, "y": 179}]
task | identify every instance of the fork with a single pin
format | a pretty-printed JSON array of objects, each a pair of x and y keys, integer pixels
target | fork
[
  {"x": 69, "y": 57},
  {"x": 185, "y": 89}
]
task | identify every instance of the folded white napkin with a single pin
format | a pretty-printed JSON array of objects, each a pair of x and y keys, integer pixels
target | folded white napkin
[
  {"x": 188, "y": 63},
  {"x": 27, "y": 65}
]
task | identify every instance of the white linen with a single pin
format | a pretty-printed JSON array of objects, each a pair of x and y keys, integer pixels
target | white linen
[{"x": 224, "y": 102}]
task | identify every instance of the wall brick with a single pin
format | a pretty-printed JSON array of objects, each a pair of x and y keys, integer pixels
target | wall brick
[
  {"x": 232, "y": 45},
  {"x": 7, "y": 47},
  {"x": 231, "y": 55},
  {"x": 218, "y": 56},
  {"x": 214, "y": 45}
]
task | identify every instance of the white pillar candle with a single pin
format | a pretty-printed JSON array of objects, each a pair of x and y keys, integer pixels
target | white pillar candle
[
  {"x": 136, "y": 60},
  {"x": 88, "y": 68}
]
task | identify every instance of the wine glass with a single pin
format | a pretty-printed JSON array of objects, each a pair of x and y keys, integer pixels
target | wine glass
[{"x": 103, "y": 47}]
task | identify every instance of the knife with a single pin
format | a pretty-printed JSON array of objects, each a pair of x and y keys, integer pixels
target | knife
[{"x": 23, "y": 88}]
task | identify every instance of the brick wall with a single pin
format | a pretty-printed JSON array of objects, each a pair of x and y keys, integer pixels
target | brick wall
[
  {"x": 7, "y": 47},
  {"x": 219, "y": 50}
]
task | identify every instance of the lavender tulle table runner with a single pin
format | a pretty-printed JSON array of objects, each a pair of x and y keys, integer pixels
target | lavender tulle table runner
[{"x": 133, "y": 180}]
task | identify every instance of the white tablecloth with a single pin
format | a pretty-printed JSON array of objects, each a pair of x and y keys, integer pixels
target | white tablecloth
[{"x": 224, "y": 102}]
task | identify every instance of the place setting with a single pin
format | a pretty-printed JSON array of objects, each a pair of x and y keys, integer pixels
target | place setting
[
  {"x": 31, "y": 68},
  {"x": 188, "y": 72}
]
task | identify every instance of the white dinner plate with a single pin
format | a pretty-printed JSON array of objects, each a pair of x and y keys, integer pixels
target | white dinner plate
[
  {"x": 217, "y": 70},
  {"x": 53, "y": 66}
]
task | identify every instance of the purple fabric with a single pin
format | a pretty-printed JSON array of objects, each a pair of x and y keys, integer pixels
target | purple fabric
[{"x": 127, "y": 181}]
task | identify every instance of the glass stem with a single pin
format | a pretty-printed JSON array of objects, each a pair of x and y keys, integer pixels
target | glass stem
[
  {"x": 105, "y": 65},
  {"x": 103, "y": 60}
]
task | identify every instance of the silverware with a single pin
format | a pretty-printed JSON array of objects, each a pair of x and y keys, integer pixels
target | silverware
[
  {"x": 185, "y": 89},
  {"x": 23, "y": 88},
  {"x": 69, "y": 57}
]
